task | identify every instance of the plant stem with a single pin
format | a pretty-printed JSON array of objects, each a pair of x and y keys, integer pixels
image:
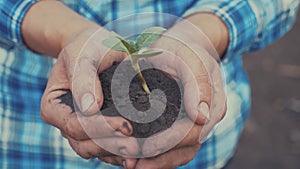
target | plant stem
[
  {"x": 136, "y": 67},
  {"x": 144, "y": 84}
]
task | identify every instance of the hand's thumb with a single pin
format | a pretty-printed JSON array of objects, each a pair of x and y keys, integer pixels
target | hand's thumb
[
  {"x": 197, "y": 101},
  {"x": 197, "y": 89},
  {"x": 86, "y": 88}
]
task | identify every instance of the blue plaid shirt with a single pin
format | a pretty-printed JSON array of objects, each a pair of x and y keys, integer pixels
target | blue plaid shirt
[{"x": 27, "y": 142}]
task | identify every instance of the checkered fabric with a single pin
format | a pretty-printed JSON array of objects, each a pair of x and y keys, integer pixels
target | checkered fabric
[{"x": 27, "y": 142}]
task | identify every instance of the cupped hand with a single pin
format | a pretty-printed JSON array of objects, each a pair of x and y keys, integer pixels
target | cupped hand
[
  {"x": 190, "y": 58},
  {"x": 76, "y": 69}
]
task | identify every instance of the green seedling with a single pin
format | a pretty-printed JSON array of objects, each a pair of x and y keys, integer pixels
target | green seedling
[{"x": 136, "y": 49}]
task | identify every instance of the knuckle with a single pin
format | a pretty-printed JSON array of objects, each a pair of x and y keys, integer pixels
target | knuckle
[
  {"x": 72, "y": 130},
  {"x": 44, "y": 117},
  {"x": 80, "y": 150},
  {"x": 83, "y": 154},
  {"x": 189, "y": 157},
  {"x": 204, "y": 86}
]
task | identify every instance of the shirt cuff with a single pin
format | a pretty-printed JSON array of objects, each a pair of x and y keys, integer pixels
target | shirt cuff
[
  {"x": 12, "y": 13},
  {"x": 239, "y": 19}
]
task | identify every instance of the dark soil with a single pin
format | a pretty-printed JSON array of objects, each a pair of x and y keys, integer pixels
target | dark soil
[{"x": 141, "y": 101}]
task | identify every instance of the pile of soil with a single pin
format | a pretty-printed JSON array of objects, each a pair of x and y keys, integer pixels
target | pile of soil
[{"x": 156, "y": 79}]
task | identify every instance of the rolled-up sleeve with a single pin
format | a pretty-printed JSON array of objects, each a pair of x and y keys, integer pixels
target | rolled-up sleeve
[
  {"x": 12, "y": 13},
  {"x": 252, "y": 24}
]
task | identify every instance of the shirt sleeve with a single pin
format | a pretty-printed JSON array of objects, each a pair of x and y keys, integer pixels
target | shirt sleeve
[
  {"x": 12, "y": 13},
  {"x": 252, "y": 24}
]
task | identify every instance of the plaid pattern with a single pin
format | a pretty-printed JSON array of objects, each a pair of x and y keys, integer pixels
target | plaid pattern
[{"x": 27, "y": 142}]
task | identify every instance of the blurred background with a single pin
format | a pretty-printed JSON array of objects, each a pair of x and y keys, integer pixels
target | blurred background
[{"x": 271, "y": 138}]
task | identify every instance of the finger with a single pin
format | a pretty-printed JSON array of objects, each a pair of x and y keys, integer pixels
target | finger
[
  {"x": 197, "y": 87},
  {"x": 218, "y": 105},
  {"x": 58, "y": 78},
  {"x": 191, "y": 70},
  {"x": 52, "y": 111},
  {"x": 170, "y": 159},
  {"x": 57, "y": 82},
  {"x": 192, "y": 136},
  {"x": 212, "y": 125},
  {"x": 82, "y": 71},
  {"x": 130, "y": 163},
  {"x": 200, "y": 75},
  {"x": 96, "y": 126},
  {"x": 59, "y": 114},
  {"x": 182, "y": 133},
  {"x": 107, "y": 147},
  {"x": 86, "y": 149},
  {"x": 122, "y": 146},
  {"x": 81, "y": 127}
]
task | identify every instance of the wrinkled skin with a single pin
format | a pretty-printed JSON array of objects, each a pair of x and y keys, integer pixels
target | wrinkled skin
[
  {"x": 200, "y": 75},
  {"x": 76, "y": 70}
]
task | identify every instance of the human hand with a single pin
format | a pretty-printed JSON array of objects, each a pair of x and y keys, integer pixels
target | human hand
[
  {"x": 193, "y": 63},
  {"x": 66, "y": 32},
  {"x": 87, "y": 131}
]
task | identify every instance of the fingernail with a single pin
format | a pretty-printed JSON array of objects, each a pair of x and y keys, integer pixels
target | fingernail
[
  {"x": 124, "y": 164},
  {"x": 123, "y": 151},
  {"x": 158, "y": 153},
  {"x": 204, "y": 110},
  {"x": 86, "y": 101}
]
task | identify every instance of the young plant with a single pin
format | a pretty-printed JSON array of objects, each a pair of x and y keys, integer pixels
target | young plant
[{"x": 136, "y": 49}]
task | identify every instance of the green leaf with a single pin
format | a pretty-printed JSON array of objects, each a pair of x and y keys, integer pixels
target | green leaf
[
  {"x": 117, "y": 42},
  {"x": 132, "y": 44},
  {"x": 114, "y": 43},
  {"x": 128, "y": 46},
  {"x": 145, "y": 53},
  {"x": 148, "y": 36}
]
